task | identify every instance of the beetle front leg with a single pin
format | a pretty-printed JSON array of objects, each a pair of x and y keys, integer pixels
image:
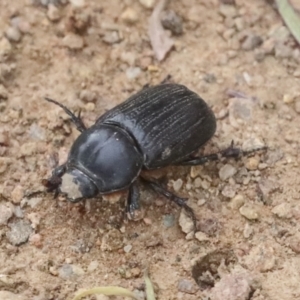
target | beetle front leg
[
  {"x": 134, "y": 212},
  {"x": 179, "y": 201},
  {"x": 230, "y": 152}
]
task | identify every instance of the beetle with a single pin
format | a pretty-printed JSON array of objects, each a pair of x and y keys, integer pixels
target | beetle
[{"x": 159, "y": 126}]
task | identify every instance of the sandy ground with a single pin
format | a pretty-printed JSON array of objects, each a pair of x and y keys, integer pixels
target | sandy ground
[{"x": 91, "y": 56}]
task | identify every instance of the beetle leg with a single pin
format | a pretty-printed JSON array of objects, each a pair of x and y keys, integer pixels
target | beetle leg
[
  {"x": 133, "y": 206},
  {"x": 167, "y": 79},
  {"x": 230, "y": 152},
  {"x": 76, "y": 120},
  {"x": 179, "y": 201}
]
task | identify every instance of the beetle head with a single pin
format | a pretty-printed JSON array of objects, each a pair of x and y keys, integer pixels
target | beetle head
[
  {"x": 72, "y": 183},
  {"x": 77, "y": 186}
]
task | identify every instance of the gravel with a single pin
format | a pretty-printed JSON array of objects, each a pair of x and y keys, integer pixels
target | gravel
[
  {"x": 172, "y": 21},
  {"x": 169, "y": 221},
  {"x": 130, "y": 15},
  {"x": 53, "y": 13},
  {"x": 187, "y": 286},
  {"x": 227, "y": 171},
  {"x": 19, "y": 233},
  {"x": 249, "y": 212},
  {"x": 73, "y": 41},
  {"x": 177, "y": 185},
  {"x": 283, "y": 211},
  {"x": 6, "y": 212},
  {"x": 13, "y": 34},
  {"x": 185, "y": 222}
]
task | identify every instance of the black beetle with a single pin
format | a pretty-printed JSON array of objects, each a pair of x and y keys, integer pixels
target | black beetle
[{"x": 159, "y": 126}]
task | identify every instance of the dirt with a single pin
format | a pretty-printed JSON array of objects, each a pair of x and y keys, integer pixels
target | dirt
[{"x": 242, "y": 60}]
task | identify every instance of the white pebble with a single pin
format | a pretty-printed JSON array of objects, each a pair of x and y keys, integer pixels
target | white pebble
[
  {"x": 92, "y": 266},
  {"x": 13, "y": 34},
  {"x": 185, "y": 222},
  {"x": 283, "y": 211},
  {"x": 133, "y": 72},
  {"x": 127, "y": 248},
  {"x": 130, "y": 16},
  {"x": 53, "y": 13},
  {"x": 177, "y": 185},
  {"x": 147, "y": 3},
  {"x": 73, "y": 41},
  {"x": 227, "y": 171},
  {"x": 248, "y": 212}
]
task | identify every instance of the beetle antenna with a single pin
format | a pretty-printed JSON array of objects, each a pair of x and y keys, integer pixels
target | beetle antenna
[{"x": 76, "y": 120}]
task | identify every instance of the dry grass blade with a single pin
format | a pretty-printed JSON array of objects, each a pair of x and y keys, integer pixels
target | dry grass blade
[
  {"x": 149, "y": 287},
  {"x": 106, "y": 290},
  {"x": 160, "y": 41},
  {"x": 290, "y": 17}
]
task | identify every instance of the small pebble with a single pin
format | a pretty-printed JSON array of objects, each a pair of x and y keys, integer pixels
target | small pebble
[
  {"x": 3, "y": 92},
  {"x": 6, "y": 212},
  {"x": 294, "y": 243},
  {"x": 185, "y": 222},
  {"x": 36, "y": 240},
  {"x": 187, "y": 286},
  {"x": 112, "y": 240},
  {"x": 130, "y": 16},
  {"x": 21, "y": 24},
  {"x": 73, "y": 41},
  {"x": 190, "y": 236},
  {"x": 111, "y": 37},
  {"x": 236, "y": 202},
  {"x": 229, "y": 191},
  {"x": 53, "y": 13},
  {"x": 177, "y": 185},
  {"x": 169, "y": 221},
  {"x": 19, "y": 233},
  {"x": 197, "y": 182},
  {"x": 147, "y": 221},
  {"x": 248, "y": 212},
  {"x": 261, "y": 258},
  {"x": 147, "y": 3},
  {"x": 4, "y": 162},
  {"x": 6, "y": 295},
  {"x": 87, "y": 96},
  {"x": 77, "y": 3},
  {"x": 201, "y": 236},
  {"x": 227, "y": 171},
  {"x": 283, "y": 211},
  {"x": 13, "y": 34},
  {"x": 235, "y": 285},
  {"x": 201, "y": 202},
  {"x": 252, "y": 163},
  {"x": 17, "y": 194},
  {"x": 288, "y": 98},
  {"x": 267, "y": 187},
  {"x": 28, "y": 149},
  {"x": 5, "y": 48},
  {"x": 252, "y": 42},
  {"x": 133, "y": 72},
  {"x": 34, "y": 219},
  {"x": 297, "y": 106},
  {"x": 248, "y": 230},
  {"x": 92, "y": 266},
  {"x": 34, "y": 202},
  {"x": 128, "y": 57},
  {"x": 227, "y": 11},
  {"x": 195, "y": 171},
  {"x": 68, "y": 271},
  {"x": 90, "y": 106},
  {"x": 127, "y": 248},
  {"x": 171, "y": 21}
]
